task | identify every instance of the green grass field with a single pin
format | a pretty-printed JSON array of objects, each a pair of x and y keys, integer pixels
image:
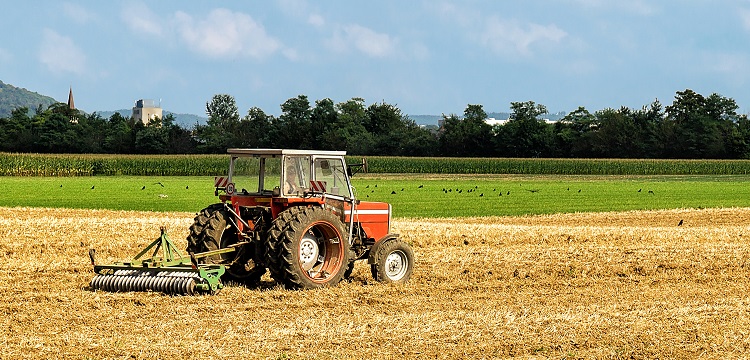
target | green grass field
[{"x": 415, "y": 195}]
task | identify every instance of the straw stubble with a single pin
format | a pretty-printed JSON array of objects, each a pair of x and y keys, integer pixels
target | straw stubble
[{"x": 606, "y": 285}]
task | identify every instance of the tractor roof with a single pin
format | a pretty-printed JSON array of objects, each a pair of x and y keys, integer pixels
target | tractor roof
[{"x": 274, "y": 152}]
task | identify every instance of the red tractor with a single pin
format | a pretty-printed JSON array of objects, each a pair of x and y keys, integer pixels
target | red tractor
[{"x": 294, "y": 212}]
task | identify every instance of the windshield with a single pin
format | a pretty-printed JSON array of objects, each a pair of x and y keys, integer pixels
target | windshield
[{"x": 332, "y": 172}]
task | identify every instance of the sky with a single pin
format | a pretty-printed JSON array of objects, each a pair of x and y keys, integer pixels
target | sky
[{"x": 426, "y": 57}]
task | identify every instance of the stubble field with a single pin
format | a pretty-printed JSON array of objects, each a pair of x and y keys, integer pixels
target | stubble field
[{"x": 599, "y": 285}]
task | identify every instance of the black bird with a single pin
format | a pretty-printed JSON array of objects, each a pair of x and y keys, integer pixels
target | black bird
[
  {"x": 60, "y": 185},
  {"x": 376, "y": 185},
  {"x": 402, "y": 189},
  {"x": 476, "y": 187},
  {"x": 508, "y": 193},
  {"x": 639, "y": 190},
  {"x": 460, "y": 191},
  {"x": 92, "y": 256},
  {"x": 482, "y": 194},
  {"x": 494, "y": 189},
  {"x": 92, "y": 187},
  {"x": 187, "y": 187},
  {"x": 651, "y": 192},
  {"x": 680, "y": 223},
  {"x": 500, "y": 194},
  {"x": 568, "y": 189},
  {"x": 420, "y": 186},
  {"x": 579, "y": 190},
  {"x": 367, "y": 186},
  {"x": 393, "y": 192},
  {"x": 144, "y": 187}
]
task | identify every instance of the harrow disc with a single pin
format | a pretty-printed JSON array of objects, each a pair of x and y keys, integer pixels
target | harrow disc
[{"x": 168, "y": 282}]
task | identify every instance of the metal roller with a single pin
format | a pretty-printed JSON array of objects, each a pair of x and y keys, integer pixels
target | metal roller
[{"x": 168, "y": 282}]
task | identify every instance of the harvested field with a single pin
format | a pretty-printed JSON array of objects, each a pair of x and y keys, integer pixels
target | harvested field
[{"x": 606, "y": 285}]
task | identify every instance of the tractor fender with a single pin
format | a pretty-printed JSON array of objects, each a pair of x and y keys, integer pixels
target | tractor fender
[{"x": 374, "y": 249}]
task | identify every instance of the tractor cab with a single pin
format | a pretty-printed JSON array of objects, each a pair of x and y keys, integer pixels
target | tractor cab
[{"x": 287, "y": 173}]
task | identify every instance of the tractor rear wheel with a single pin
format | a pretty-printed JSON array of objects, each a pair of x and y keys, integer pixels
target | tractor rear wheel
[
  {"x": 393, "y": 262},
  {"x": 307, "y": 248},
  {"x": 211, "y": 230}
]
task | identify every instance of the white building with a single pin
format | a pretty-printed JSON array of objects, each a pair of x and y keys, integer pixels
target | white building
[{"x": 146, "y": 110}]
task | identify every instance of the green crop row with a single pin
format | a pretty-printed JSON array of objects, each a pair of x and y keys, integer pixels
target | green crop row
[
  {"x": 210, "y": 165},
  {"x": 557, "y": 166}
]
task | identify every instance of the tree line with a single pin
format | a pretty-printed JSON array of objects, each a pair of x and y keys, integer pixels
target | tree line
[{"x": 693, "y": 126}]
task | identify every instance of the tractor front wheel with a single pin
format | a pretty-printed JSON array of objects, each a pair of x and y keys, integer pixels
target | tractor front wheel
[
  {"x": 393, "y": 262},
  {"x": 307, "y": 248}
]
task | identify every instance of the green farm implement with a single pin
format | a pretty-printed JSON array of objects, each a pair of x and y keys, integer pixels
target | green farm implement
[{"x": 169, "y": 272}]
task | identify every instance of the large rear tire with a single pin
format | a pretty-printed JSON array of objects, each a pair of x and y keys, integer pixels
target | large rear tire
[
  {"x": 211, "y": 230},
  {"x": 307, "y": 248},
  {"x": 393, "y": 262}
]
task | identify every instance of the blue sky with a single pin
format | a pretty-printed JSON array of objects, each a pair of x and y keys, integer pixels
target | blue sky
[{"x": 426, "y": 57}]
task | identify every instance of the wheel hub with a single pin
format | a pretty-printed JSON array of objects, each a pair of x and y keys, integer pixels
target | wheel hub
[
  {"x": 308, "y": 251},
  {"x": 396, "y": 265}
]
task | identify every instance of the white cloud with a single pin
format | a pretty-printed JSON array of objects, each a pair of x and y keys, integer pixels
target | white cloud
[
  {"x": 745, "y": 18},
  {"x": 512, "y": 37},
  {"x": 316, "y": 20},
  {"x": 60, "y": 54},
  {"x": 506, "y": 37},
  {"x": 139, "y": 18},
  {"x": 78, "y": 13},
  {"x": 5, "y": 56},
  {"x": 638, "y": 7},
  {"x": 732, "y": 66},
  {"x": 363, "y": 39},
  {"x": 224, "y": 33}
]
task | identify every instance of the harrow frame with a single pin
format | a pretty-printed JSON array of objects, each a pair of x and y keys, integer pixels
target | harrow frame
[{"x": 169, "y": 272}]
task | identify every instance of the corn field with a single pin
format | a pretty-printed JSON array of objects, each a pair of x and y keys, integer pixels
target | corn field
[{"x": 210, "y": 165}]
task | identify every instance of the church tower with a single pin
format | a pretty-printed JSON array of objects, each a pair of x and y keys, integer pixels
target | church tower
[{"x": 71, "y": 104}]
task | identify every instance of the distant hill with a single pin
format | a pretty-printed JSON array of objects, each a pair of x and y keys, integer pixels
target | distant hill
[
  {"x": 185, "y": 121},
  {"x": 12, "y": 98}
]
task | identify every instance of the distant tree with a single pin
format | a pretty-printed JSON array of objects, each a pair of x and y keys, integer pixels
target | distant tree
[
  {"x": 525, "y": 135},
  {"x": 153, "y": 139},
  {"x": 292, "y": 128},
  {"x": 470, "y": 136},
  {"x": 119, "y": 137},
  {"x": 254, "y": 129},
  {"x": 395, "y": 134},
  {"x": 17, "y": 132},
  {"x": 694, "y": 125},
  {"x": 322, "y": 117},
  {"x": 572, "y": 134},
  {"x": 348, "y": 132},
  {"x": 219, "y": 133},
  {"x": 179, "y": 140},
  {"x": 90, "y": 134}
]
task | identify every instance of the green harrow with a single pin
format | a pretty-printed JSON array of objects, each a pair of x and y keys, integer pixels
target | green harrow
[{"x": 170, "y": 273}]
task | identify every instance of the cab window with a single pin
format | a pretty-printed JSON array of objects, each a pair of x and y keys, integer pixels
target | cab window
[{"x": 332, "y": 171}]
